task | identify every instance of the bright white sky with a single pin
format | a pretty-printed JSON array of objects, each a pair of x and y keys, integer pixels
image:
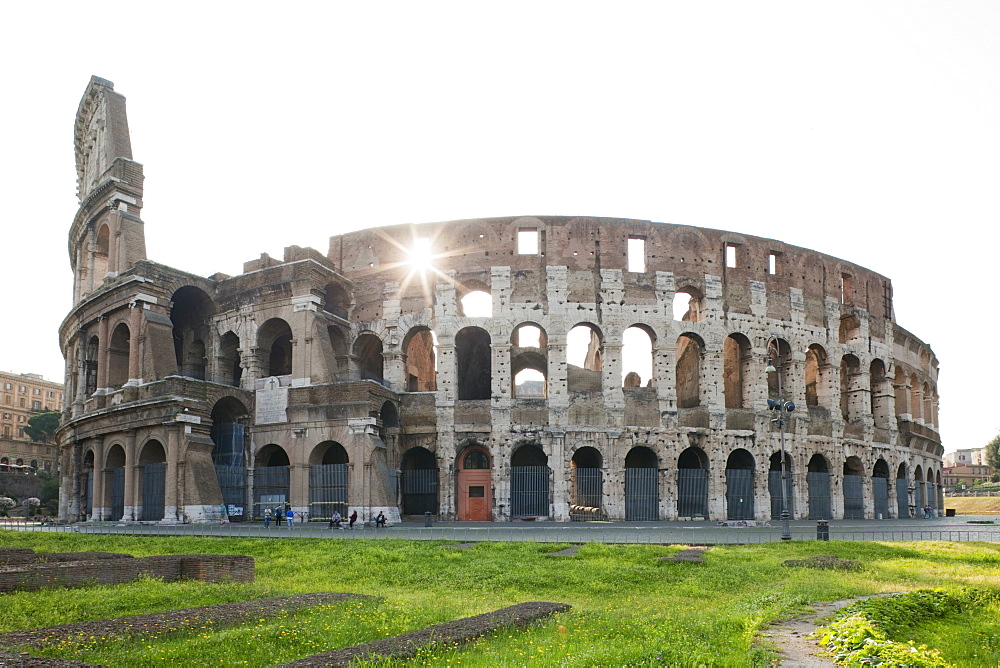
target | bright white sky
[{"x": 866, "y": 130}]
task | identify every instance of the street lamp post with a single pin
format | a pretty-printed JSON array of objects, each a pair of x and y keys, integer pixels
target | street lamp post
[{"x": 780, "y": 407}]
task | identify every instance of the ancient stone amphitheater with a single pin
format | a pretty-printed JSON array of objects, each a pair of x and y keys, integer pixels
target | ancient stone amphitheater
[{"x": 492, "y": 369}]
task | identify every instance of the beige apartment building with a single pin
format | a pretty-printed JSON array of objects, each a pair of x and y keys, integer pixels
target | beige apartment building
[{"x": 21, "y": 396}]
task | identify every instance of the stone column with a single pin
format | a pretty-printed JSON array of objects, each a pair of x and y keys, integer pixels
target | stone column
[
  {"x": 134, "y": 346},
  {"x": 131, "y": 469},
  {"x": 171, "y": 493}
]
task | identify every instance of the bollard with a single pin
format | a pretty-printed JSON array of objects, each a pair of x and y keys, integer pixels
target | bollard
[
  {"x": 427, "y": 518},
  {"x": 822, "y": 530}
]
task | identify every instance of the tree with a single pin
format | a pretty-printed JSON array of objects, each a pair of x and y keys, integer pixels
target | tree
[
  {"x": 993, "y": 452},
  {"x": 42, "y": 427}
]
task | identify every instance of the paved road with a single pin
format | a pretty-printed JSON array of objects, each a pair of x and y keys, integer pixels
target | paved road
[{"x": 965, "y": 528}]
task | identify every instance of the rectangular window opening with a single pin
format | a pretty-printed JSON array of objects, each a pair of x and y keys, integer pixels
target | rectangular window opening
[
  {"x": 637, "y": 254},
  {"x": 730, "y": 256},
  {"x": 477, "y": 492},
  {"x": 846, "y": 288},
  {"x": 772, "y": 264},
  {"x": 527, "y": 241}
]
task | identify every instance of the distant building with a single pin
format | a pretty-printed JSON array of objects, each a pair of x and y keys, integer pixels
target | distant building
[
  {"x": 967, "y": 457},
  {"x": 956, "y": 476},
  {"x": 21, "y": 396}
]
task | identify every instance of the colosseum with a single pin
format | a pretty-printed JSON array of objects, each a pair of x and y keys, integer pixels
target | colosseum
[{"x": 536, "y": 367}]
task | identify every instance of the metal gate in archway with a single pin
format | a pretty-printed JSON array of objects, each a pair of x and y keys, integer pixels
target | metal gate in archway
[
  {"x": 270, "y": 484},
  {"x": 117, "y": 493},
  {"x": 642, "y": 495},
  {"x": 739, "y": 494},
  {"x": 880, "y": 490},
  {"x": 420, "y": 491},
  {"x": 529, "y": 491},
  {"x": 854, "y": 497},
  {"x": 88, "y": 499},
  {"x": 327, "y": 490},
  {"x": 902, "y": 498},
  {"x": 774, "y": 488},
  {"x": 153, "y": 485},
  {"x": 819, "y": 495},
  {"x": 692, "y": 493}
]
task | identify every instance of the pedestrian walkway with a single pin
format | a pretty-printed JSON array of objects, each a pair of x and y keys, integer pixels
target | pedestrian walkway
[{"x": 969, "y": 528}]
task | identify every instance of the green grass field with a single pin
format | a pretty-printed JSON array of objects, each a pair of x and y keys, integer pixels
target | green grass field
[{"x": 630, "y": 606}]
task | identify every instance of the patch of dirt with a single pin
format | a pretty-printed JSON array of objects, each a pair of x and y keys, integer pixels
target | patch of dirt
[
  {"x": 823, "y": 561},
  {"x": 166, "y": 622},
  {"x": 459, "y": 631},
  {"x": 691, "y": 555},
  {"x": 568, "y": 552}
]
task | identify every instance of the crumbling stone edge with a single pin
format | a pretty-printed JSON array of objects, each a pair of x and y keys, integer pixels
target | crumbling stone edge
[{"x": 459, "y": 631}]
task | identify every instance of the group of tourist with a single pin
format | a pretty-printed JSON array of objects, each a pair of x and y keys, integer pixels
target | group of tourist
[
  {"x": 278, "y": 514},
  {"x": 336, "y": 521}
]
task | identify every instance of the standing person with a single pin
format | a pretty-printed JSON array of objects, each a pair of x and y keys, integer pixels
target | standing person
[
  {"x": 290, "y": 517},
  {"x": 354, "y": 518},
  {"x": 267, "y": 517},
  {"x": 928, "y": 512},
  {"x": 222, "y": 514}
]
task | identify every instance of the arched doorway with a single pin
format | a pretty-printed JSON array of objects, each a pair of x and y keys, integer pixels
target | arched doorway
[
  {"x": 902, "y": 493},
  {"x": 271, "y": 479},
  {"x": 114, "y": 482},
  {"x": 880, "y": 489},
  {"x": 529, "y": 482},
  {"x": 642, "y": 489},
  {"x": 586, "y": 484},
  {"x": 419, "y": 482},
  {"x": 854, "y": 497},
  {"x": 153, "y": 462},
  {"x": 818, "y": 480},
  {"x": 692, "y": 483},
  {"x": 918, "y": 489},
  {"x": 229, "y": 418},
  {"x": 739, "y": 485},
  {"x": 475, "y": 486},
  {"x": 774, "y": 485},
  {"x": 328, "y": 476}
]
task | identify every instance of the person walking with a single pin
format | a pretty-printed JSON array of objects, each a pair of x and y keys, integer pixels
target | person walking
[
  {"x": 354, "y": 518},
  {"x": 267, "y": 517},
  {"x": 290, "y": 517}
]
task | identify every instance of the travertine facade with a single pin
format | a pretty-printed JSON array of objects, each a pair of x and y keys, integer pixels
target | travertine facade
[{"x": 505, "y": 368}]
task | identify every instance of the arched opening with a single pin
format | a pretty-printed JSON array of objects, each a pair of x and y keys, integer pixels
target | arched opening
[
  {"x": 779, "y": 355},
  {"x": 368, "y": 351},
  {"x": 736, "y": 364},
  {"x": 336, "y": 300},
  {"x": 692, "y": 484},
  {"x": 389, "y": 416},
  {"x": 475, "y": 367},
  {"x": 114, "y": 482},
  {"x": 818, "y": 480},
  {"x": 916, "y": 401},
  {"x": 529, "y": 335},
  {"x": 642, "y": 485},
  {"x": 529, "y": 362},
  {"x": 476, "y": 304},
  {"x": 637, "y": 357},
  {"x": 102, "y": 248},
  {"x": 271, "y": 480},
  {"x": 774, "y": 485},
  {"x": 152, "y": 481},
  {"x": 854, "y": 498},
  {"x": 475, "y": 485},
  {"x": 817, "y": 371},
  {"x": 928, "y": 411},
  {"x": 739, "y": 485},
  {"x": 919, "y": 488},
  {"x": 328, "y": 480},
  {"x": 118, "y": 356},
  {"x": 230, "y": 369},
  {"x": 420, "y": 348},
  {"x": 229, "y": 420},
  {"x": 586, "y": 484},
  {"x": 851, "y": 405},
  {"x": 419, "y": 470},
  {"x": 689, "y": 350},
  {"x": 687, "y": 305},
  {"x": 274, "y": 339},
  {"x": 584, "y": 359},
  {"x": 191, "y": 315},
  {"x": 900, "y": 389},
  {"x": 930, "y": 496},
  {"x": 90, "y": 366},
  {"x": 902, "y": 492},
  {"x": 880, "y": 489},
  {"x": 529, "y": 482}
]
